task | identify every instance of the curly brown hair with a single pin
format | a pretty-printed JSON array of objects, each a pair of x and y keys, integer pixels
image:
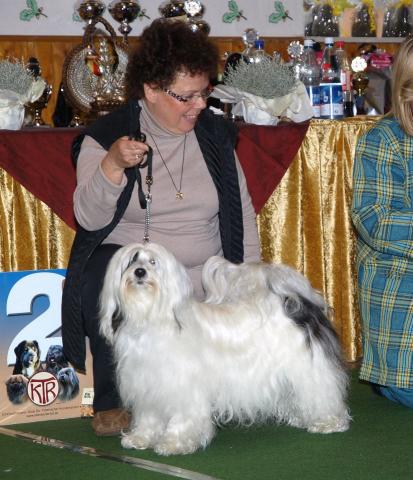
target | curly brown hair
[{"x": 166, "y": 48}]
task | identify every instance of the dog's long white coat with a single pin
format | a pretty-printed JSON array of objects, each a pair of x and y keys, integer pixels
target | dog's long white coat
[{"x": 183, "y": 366}]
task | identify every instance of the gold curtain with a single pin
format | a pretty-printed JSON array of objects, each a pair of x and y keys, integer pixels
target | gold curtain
[
  {"x": 32, "y": 237},
  {"x": 305, "y": 223}
]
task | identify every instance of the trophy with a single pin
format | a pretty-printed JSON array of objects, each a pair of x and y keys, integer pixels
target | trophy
[
  {"x": 189, "y": 11},
  {"x": 173, "y": 9},
  {"x": 360, "y": 82},
  {"x": 89, "y": 10},
  {"x": 35, "y": 109},
  {"x": 125, "y": 12},
  {"x": 33, "y": 114},
  {"x": 93, "y": 72},
  {"x": 249, "y": 36},
  {"x": 109, "y": 87},
  {"x": 194, "y": 10}
]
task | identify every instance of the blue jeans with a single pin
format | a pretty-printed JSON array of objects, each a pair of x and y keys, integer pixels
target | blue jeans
[{"x": 398, "y": 395}]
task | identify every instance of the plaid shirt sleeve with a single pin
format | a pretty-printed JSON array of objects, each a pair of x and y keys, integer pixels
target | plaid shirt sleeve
[{"x": 382, "y": 207}]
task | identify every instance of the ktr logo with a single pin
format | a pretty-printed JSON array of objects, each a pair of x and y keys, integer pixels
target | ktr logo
[{"x": 43, "y": 388}]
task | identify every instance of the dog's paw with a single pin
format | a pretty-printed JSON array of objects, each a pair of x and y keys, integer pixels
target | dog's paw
[
  {"x": 171, "y": 445},
  {"x": 330, "y": 425},
  {"x": 137, "y": 442}
]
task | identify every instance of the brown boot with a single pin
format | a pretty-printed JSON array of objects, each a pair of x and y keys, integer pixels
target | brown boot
[{"x": 110, "y": 422}]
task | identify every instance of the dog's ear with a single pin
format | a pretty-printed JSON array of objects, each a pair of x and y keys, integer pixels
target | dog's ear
[
  {"x": 36, "y": 344},
  {"x": 18, "y": 366},
  {"x": 62, "y": 353},
  {"x": 74, "y": 377},
  {"x": 20, "y": 348}
]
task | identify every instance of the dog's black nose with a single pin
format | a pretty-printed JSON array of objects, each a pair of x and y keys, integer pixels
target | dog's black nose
[{"x": 140, "y": 272}]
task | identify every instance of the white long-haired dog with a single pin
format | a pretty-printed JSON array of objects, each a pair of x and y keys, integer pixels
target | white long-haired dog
[{"x": 260, "y": 347}]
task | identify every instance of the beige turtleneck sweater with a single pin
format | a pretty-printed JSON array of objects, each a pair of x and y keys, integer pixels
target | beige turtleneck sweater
[{"x": 189, "y": 227}]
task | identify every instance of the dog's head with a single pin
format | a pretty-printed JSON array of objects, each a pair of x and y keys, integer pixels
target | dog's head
[
  {"x": 68, "y": 383},
  {"x": 27, "y": 356},
  {"x": 55, "y": 359},
  {"x": 16, "y": 386},
  {"x": 143, "y": 282}
]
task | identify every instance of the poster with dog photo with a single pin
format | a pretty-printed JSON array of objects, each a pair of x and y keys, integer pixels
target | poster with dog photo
[{"x": 38, "y": 383}]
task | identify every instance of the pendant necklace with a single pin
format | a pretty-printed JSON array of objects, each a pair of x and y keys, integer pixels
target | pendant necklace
[{"x": 179, "y": 195}]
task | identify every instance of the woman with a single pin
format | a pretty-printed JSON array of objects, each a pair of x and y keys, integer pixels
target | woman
[
  {"x": 200, "y": 203},
  {"x": 382, "y": 213}
]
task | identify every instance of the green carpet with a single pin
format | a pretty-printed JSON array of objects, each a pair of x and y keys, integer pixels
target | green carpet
[{"x": 378, "y": 446}]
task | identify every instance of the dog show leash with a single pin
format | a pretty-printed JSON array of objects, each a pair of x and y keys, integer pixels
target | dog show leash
[{"x": 144, "y": 200}]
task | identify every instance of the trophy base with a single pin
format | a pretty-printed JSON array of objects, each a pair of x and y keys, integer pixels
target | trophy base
[{"x": 100, "y": 107}]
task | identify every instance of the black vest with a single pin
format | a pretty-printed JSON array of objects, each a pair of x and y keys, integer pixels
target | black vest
[{"x": 217, "y": 139}]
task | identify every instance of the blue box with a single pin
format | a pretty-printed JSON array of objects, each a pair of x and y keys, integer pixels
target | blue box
[
  {"x": 314, "y": 95},
  {"x": 331, "y": 100}
]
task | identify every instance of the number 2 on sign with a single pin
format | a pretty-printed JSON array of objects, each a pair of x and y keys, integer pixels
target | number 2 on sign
[{"x": 20, "y": 301}]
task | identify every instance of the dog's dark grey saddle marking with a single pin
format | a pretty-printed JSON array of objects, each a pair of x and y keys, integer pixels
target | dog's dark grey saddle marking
[{"x": 314, "y": 322}]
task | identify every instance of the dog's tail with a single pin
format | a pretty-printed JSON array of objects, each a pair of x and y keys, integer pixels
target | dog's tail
[{"x": 285, "y": 281}]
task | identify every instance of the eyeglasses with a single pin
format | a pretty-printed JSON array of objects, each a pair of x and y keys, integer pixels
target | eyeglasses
[{"x": 191, "y": 99}]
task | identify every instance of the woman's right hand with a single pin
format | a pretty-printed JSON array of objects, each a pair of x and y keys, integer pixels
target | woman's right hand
[{"x": 123, "y": 153}]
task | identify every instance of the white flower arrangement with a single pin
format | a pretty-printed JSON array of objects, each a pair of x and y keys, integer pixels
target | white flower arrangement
[
  {"x": 18, "y": 87},
  {"x": 264, "y": 92},
  {"x": 267, "y": 79}
]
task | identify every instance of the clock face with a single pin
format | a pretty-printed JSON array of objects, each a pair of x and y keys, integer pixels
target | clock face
[{"x": 192, "y": 7}]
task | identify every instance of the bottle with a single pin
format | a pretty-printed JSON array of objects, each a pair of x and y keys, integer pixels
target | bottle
[
  {"x": 329, "y": 62},
  {"x": 318, "y": 53},
  {"x": 259, "y": 53},
  {"x": 310, "y": 75},
  {"x": 331, "y": 93},
  {"x": 310, "y": 72},
  {"x": 348, "y": 104},
  {"x": 344, "y": 67}
]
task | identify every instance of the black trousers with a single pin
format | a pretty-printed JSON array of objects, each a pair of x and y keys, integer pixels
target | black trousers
[{"x": 106, "y": 394}]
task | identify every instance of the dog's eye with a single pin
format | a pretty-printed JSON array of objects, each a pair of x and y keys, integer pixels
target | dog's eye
[
  {"x": 133, "y": 259},
  {"x": 152, "y": 261}
]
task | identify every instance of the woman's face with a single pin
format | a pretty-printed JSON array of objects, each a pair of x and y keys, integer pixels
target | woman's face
[{"x": 175, "y": 115}]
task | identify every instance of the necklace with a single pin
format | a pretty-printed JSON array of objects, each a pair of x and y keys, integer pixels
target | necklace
[{"x": 179, "y": 195}]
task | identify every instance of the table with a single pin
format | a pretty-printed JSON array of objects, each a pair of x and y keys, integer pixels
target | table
[{"x": 299, "y": 176}]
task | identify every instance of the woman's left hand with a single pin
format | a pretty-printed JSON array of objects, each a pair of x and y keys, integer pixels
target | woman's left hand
[{"x": 123, "y": 153}]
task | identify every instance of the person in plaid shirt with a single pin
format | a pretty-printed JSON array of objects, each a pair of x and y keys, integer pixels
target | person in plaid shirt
[{"x": 382, "y": 213}]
